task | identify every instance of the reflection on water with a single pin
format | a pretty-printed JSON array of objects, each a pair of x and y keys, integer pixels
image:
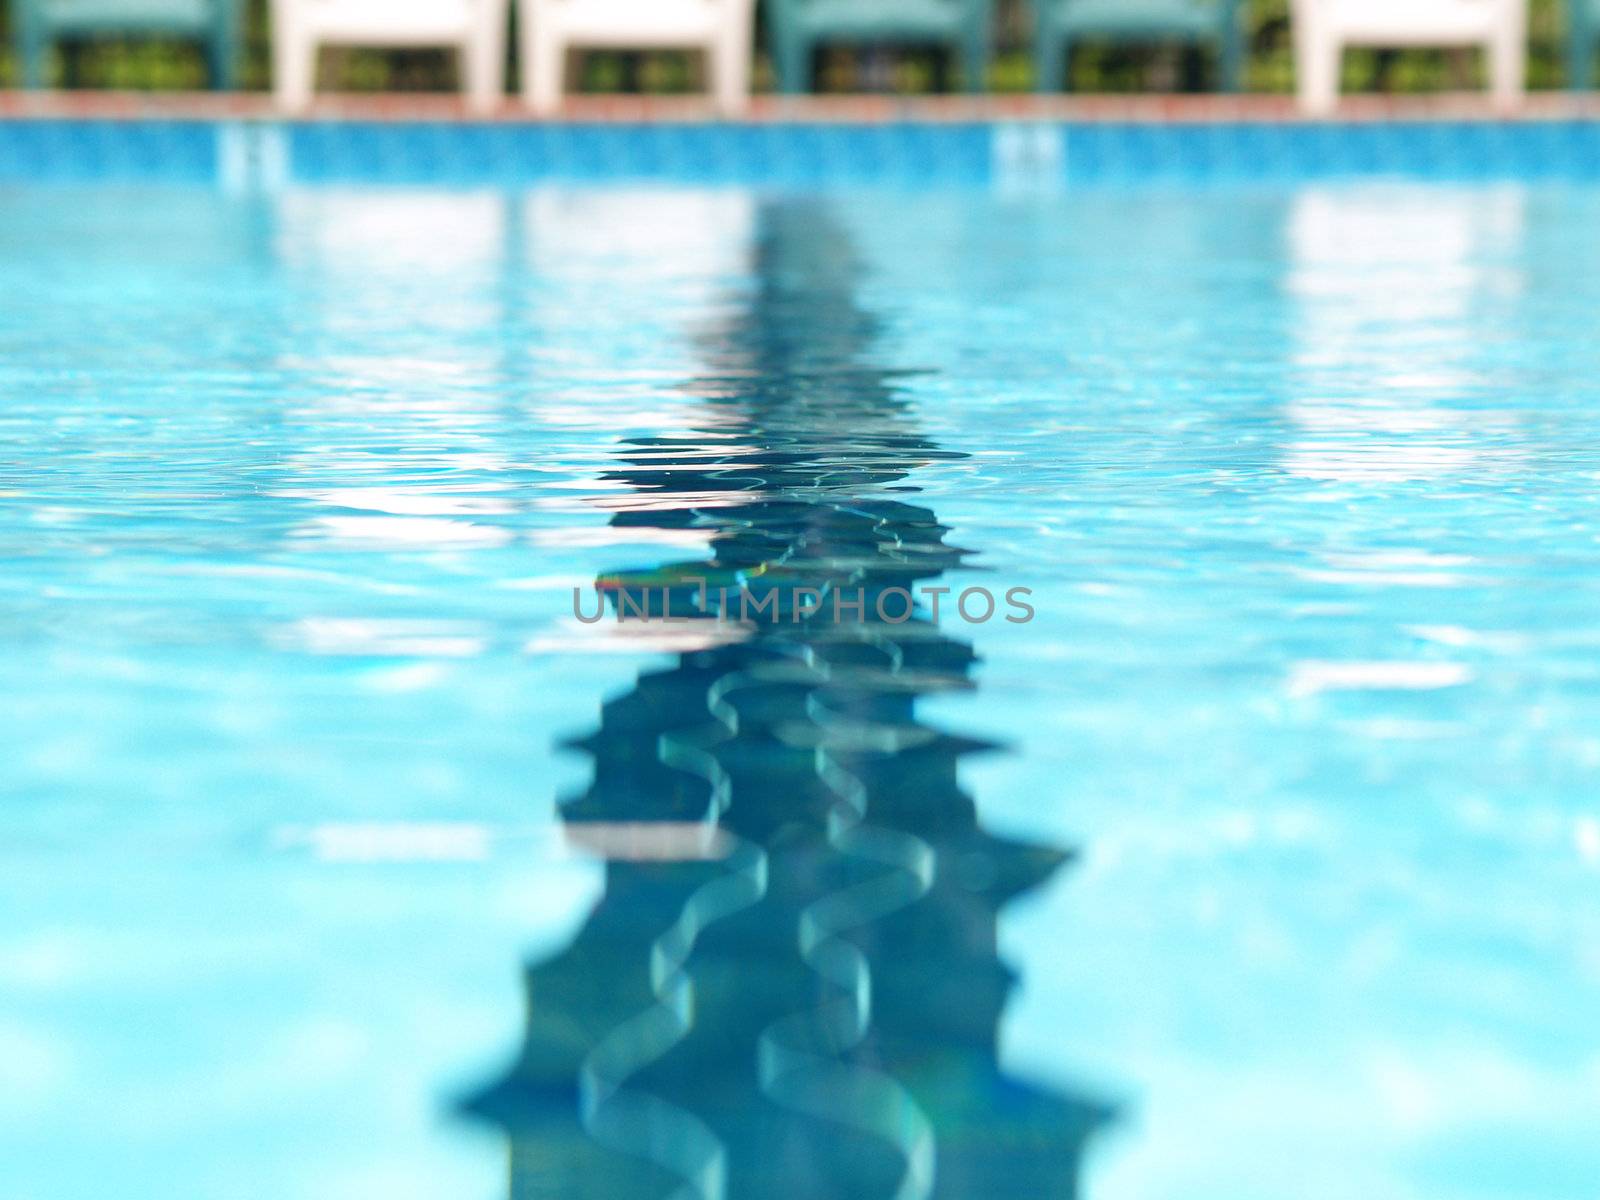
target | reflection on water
[
  {"x": 1304, "y": 477},
  {"x": 791, "y": 985},
  {"x": 1390, "y": 287}
]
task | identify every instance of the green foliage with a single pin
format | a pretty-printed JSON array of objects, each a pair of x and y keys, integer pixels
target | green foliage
[{"x": 1111, "y": 67}]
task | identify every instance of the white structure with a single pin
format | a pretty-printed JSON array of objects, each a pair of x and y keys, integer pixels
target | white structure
[
  {"x": 476, "y": 29},
  {"x": 723, "y": 29},
  {"x": 1323, "y": 28}
]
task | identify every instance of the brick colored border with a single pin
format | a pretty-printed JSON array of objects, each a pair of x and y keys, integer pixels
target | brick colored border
[{"x": 868, "y": 110}]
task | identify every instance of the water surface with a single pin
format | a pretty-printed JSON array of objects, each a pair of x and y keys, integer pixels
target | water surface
[{"x": 337, "y": 853}]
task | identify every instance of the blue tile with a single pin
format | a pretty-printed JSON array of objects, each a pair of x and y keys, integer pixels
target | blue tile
[{"x": 806, "y": 153}]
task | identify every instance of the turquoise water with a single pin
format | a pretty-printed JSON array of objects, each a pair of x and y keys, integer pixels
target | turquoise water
[{"x": 1262, "y": 862}]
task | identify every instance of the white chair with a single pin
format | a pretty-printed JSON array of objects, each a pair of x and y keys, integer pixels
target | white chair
[
  {"x": 476, "y": 29},
  {"x": 724, "y": 29},
  {"x": 1323, "y": 28}
]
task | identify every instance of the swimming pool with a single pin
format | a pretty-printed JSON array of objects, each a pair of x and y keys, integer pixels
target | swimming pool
[{"x": 1262, "y": 861}]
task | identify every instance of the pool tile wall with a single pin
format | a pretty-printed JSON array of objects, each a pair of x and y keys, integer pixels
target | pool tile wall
[{"x": 796, "y": 153}]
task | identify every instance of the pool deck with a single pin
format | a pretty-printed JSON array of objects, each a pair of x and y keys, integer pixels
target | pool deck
[{"x": 770, "y": 110}]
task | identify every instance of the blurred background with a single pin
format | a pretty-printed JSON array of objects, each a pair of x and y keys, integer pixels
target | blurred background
[{"x": 146, "y": 63}]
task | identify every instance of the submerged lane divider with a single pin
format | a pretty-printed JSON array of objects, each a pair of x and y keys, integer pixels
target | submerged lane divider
[{"x": 626, "y": 1118}]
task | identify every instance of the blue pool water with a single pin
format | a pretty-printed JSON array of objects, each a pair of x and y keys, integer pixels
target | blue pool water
[{"x": 1263, "y": 862}]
